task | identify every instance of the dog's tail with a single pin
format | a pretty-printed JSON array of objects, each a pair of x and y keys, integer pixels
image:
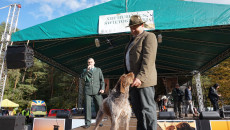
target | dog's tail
[{"x": 100, "y": 116}]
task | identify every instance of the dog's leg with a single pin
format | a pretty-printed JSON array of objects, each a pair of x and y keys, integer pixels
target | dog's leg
[
  {"x": 114, "y": 123},
  {"x": 99, "y": 118},
  {"x": 127, "y": 119}
]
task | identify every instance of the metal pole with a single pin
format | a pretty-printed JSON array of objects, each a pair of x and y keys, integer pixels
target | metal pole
[{"x": 11, "y": 25}]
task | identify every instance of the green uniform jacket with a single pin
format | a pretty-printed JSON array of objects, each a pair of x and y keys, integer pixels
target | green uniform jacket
[{"x": 94, "y": 81}]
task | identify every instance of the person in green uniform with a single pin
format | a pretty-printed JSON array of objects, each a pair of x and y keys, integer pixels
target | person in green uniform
[{"x": 94, "y": 87}]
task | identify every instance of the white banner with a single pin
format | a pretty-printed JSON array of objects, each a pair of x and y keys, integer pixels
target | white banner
[{"x": 116, "y": 23}]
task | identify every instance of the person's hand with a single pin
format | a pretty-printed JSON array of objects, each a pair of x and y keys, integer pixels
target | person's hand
[
  {"x": 136, "y": 82},
  {"x": 89, "y": 67},
  {"x": 101, "y": 91},
  {"x": 219, "y": 95}
]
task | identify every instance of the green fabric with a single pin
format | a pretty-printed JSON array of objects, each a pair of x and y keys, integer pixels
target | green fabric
[
  {"x": 70, "y": 40},
  {"x": 168, "y": 14},
  {"x": 94, "y": 81},
  {"x": 97, "y": 100}
]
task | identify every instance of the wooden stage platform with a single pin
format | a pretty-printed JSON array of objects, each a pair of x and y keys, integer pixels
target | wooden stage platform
[
  {"x": 132, "y": 125},
  {"x": 185, "y": 123}
]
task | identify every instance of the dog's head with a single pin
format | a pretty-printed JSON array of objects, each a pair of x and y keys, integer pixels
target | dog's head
[{"x": 125, "y": 81}]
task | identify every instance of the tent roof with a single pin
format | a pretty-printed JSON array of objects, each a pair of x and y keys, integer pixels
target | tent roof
[
  {"x": 8, "y": 103},
  {"x": 195, "y": 37}
]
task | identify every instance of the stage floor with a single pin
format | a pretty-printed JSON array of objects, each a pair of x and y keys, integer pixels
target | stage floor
[
  {"x": 107, "y": 125},
  {"x": 132, "y": 125}
]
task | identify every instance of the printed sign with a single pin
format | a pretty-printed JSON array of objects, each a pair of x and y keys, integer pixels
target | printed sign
[
  {"x": 176, "y": 125},
  {"x": 219, "y": 124},
  {"x": 48, "y": 124},
  {"x": 117, "y": 23}
]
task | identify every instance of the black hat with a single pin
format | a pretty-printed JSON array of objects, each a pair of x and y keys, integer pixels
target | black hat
[{"x": 216, "y": 85}]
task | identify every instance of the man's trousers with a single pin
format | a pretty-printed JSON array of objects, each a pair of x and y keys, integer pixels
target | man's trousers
[
  {"x": 144, "y": 107},
  {"x": 97, "y": 99}
]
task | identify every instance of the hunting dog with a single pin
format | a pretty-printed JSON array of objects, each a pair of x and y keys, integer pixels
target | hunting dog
[{"x": 116, "y": 106}]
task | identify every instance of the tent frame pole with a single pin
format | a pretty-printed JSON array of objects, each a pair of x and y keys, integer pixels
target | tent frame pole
[{"x": 10, "y": 27}]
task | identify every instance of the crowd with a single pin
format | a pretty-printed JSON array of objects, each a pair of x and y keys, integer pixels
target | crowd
[
  {"x": 8, "y": 111},
  {"x": 185, "y": 97}
]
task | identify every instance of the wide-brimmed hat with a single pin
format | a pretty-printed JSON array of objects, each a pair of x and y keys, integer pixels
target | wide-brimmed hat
[{"x": 135, "y": 20}]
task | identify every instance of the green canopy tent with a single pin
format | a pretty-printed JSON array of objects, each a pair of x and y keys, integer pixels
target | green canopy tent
[{"x": 195, "y": 37}]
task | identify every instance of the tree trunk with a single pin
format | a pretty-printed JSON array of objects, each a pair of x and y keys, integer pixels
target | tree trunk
[
  {"x": 51, "y": 82},
  {"x": 16, "y": 81},
  {"x": 23, "y": 77},
  {"x": 76, "y": 81}
]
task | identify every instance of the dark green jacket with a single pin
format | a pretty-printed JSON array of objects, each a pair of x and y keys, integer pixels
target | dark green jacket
[{"x": 94, "y": 81}]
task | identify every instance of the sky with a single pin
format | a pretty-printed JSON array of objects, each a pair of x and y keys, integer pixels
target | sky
[{"x": 34, "y": 12}]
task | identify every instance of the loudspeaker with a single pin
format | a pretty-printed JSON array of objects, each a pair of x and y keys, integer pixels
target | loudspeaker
[
  {"x": 63, "y": 115},
  {"x": 167, "y": 115},
  {"x": 226, "y": 108},
  {"x": 12, "y": 122},
  {"x": 19, "y": 56},
  {"x": 210, "y": 115},
  {"x": 225, "y": 113}
]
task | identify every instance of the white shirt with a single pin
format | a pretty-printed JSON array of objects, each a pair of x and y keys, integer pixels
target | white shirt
[
  {"x": 127, "y": 57},
  {"x": 127, "y": 53}
]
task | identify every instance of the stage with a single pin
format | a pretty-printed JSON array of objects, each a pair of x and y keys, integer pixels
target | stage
[{"x": 185, "y": 123}]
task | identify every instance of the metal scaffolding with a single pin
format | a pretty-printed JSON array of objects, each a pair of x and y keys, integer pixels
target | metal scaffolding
[{"x": 10, "y": 27}]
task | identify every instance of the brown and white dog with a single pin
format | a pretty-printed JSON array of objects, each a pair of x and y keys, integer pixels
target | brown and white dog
[{"x": 116, "y": 106}]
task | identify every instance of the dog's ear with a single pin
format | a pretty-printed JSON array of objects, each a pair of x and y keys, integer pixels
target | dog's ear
[{"x": 122, "y": 84}]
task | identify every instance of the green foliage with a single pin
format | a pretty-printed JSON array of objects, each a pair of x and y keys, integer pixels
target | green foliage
[
  {"x": 220, "y": 74},
  {"x": 2, "y": 27},
  {"x": 41, "y": 82}
]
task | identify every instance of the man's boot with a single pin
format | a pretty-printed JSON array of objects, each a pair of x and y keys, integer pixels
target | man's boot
[
  {"x": 186, "y": 115},
  {"x": 176, "y": 115},
  {"x": 180, "y": 115}
]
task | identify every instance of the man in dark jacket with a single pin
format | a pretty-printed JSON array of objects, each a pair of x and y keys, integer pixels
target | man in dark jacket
[
  {"x": 214, "y": 96},
  {"x": 94, "y": 87},
  {"x": 178, "y": 99}
]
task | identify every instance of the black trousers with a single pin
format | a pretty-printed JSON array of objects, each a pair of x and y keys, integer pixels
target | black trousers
[
  {"x": 144, "y": 107},
  {"x": 215, "y": 105},
  {"x": 177, "y": 107}
]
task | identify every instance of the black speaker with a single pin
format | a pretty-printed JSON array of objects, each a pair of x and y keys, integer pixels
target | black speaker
[
  {"x": 225, "y": 112},
  {"x": 12, "y": 122},
  {"x": 63, "y": 115},
  {"x": 210, "y": 115},
  {"x": 226, "y": 108},
  {"x": 19, "y": 56},
  {"x": 167, "y": 115},
  {"x": 68, "y": 121}
]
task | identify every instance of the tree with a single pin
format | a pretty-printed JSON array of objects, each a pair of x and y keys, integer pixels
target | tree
[
  {"x": 220, "y": 74},
  {"x": 41, "y": 81}
]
